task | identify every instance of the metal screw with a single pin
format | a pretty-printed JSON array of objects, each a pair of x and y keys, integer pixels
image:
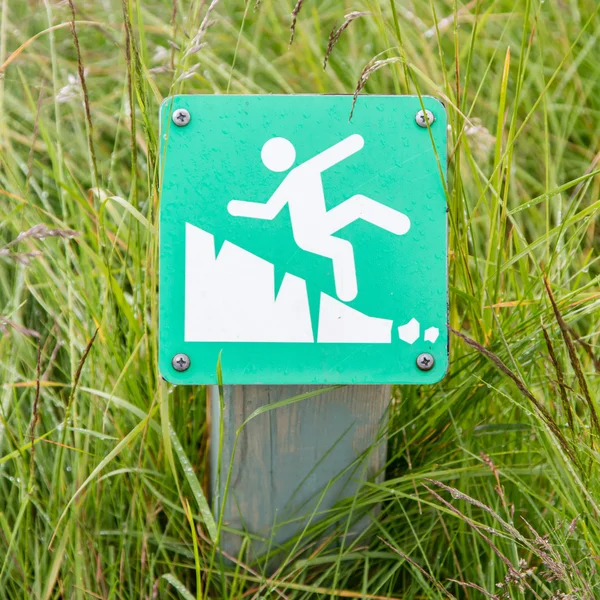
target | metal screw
[
  {"x": 422, "y": 118},
  {"x": 181, "y": 117},
  {"x": 181, "y": 362},
  {"x": 425, "y": 361}
]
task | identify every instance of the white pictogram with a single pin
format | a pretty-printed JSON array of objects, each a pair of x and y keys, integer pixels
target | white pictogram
[
  {"x": 312, "y": 224},
  {"x": 230, "y": 297},
  {"x": 410, "y": 332},
  {"x": 431, "y": 334},
  {"x": 342, "y": 324}
]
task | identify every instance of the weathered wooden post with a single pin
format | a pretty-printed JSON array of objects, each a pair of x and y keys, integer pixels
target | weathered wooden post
[
  {"x": 300, "y": 251},
  {"x": 289, "y": 460}
]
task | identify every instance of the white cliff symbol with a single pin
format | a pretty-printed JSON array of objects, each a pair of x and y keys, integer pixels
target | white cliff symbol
[
  {"x": 230, "y": 296},
  {"x": 313, "y": 225}
]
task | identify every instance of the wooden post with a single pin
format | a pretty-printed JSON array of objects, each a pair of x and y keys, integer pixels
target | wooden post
[{"x": 286, "y": 457}]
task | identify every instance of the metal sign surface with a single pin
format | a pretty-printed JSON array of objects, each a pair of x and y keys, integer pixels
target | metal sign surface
[{"x": 301, "y": 247}]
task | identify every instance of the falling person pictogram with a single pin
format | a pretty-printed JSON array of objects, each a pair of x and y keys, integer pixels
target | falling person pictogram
[{"x": 313, "y": 225}]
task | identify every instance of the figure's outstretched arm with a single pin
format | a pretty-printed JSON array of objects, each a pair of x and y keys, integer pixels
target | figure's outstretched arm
[
  {"x": 337, "y": 153},
  {"x": 258, "y": 210}
]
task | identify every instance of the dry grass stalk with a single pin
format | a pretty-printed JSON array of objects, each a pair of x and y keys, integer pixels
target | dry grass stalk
[
  {"x": 195, "y": 48},
  {"x": 161, "y": 69},
  {"x": 189, "y": 73},
  {"x": 35, "y": 416},
  {"x": 50, "y": 365},
  {"x": 572, "y": 527},
  {"x": 417, "y": 566},
  {"x": 196, "y": 43},
  {"x": 38, "y": 108},
  {"x": 514, "y": 575},
  {"x": 561, "y": 380},
  {"x": 238, "y": 562},
  {"x": 173, "y": 13},
  {"x": 587, "y": 347},
  {"x": 492, "y": 467},
  {"x": 128, "y": 28},
  {"x": 41, "y": 231},
  {"x": 206, "y": 23},
  {"x": 575, "y": 362},
  {"x": 23, "y": 258},
  {"x": 540, "y": 408},
  {"x": 458, "y": 495},
  {"x": 467, "y": 584},
  {"x": 86, "y": 97},
  {"x": 37, "y": 232},
  {"x": 295, "y": 12},
  {"x": 556, "y": 570},
  {"x": 5, "y": 323},
  {"x": 68, "y": 412},
  {"x": 369, "y": 69},
  {"x": 81, "y": 363},
  {"x": 539, "y": 546},
  {"x": 335, "y": 34}
]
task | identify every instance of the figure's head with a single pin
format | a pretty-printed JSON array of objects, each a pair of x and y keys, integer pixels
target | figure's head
[{"x": 278, "y": 154}]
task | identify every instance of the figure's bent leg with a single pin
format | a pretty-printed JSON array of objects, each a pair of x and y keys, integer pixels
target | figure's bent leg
[
  {"x": 341, "y": 254},
  {"x": 361, "y": 207},
  {"x": 344, "y": 268}
]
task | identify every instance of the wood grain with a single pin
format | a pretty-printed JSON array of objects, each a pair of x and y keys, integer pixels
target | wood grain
[{"x": 286, "y": 457}]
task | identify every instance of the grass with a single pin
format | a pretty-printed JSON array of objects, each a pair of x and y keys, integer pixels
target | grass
[{"x": 492, "y": 488}]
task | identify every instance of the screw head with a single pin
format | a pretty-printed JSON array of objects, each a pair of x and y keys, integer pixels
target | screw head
[
  {"x": 181, "y": 362},
  {"x": 425, "y": 361},
  {"x": 181, "y": 117},
  {"x": 422, "y": 118}
]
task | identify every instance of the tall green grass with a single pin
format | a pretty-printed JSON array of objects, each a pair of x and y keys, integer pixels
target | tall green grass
[{"x": 492, "y": 487}]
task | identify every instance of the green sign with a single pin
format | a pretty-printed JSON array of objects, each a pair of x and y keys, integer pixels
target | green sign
[{"x": 301, "y": 247}]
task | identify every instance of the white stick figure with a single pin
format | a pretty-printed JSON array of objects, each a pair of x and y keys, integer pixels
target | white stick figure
[{"x": 312, "y": 224}]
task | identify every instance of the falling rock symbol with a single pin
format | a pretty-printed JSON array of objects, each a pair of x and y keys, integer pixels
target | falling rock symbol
[
  {"x": 410, "y": 332},
  {"x": 431, "y": 334},
  {"x": 231, "y": 297}
]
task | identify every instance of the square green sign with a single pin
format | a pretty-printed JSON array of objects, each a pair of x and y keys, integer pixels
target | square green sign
[{"x": 301, "y": 247}]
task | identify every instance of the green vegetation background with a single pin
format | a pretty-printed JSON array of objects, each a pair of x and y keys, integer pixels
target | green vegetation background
[{"x": 492, "y": 487}]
